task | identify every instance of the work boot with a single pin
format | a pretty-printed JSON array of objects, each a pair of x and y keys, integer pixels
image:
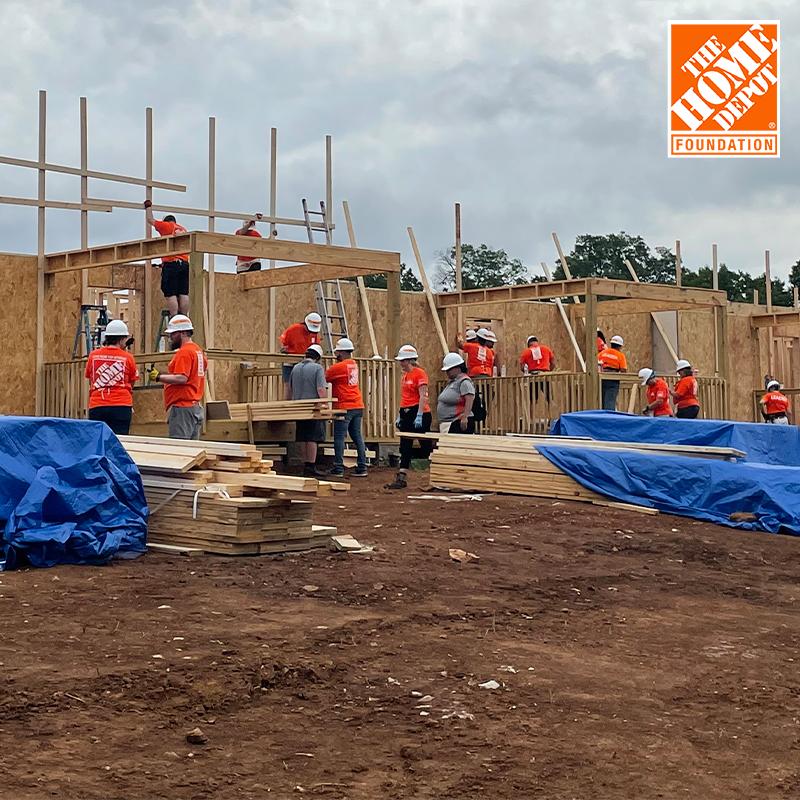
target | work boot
[{"x": 399, "y": 482}]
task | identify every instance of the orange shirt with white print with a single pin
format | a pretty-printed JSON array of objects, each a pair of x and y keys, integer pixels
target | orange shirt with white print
[
  {"x": 612, "y": 360},
  {"x": 343, "y": 377},
  {"x": 170, "y": 229},
  {"x": 686, "y": 391},
  {"x": 659, "y": 392},
  {"x": 297, "y": 339},
  {"x": 775, "y": 403},
  {"x": 191, "y": 361},
  {"x": 112, "y": 372},
  {"x": 537, "y": 358},
  {"x": 409, "y": 388},
  {"x": 480, "y": 359}
]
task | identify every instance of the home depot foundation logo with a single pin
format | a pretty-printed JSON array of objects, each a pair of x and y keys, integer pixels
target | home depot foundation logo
[{"x": 724, "y": 89}]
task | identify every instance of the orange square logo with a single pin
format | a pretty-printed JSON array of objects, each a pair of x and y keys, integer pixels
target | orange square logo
[{"x": 724, "y": 89}]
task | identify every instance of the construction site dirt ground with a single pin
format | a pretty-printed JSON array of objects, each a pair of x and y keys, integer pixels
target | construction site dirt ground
[{"x": 636, "y": 656}]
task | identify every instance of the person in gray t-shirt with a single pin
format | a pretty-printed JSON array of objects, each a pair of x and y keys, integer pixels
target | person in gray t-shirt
[
  {"x": 307, "y": 382},
  {"x": 455, "y": 401}
]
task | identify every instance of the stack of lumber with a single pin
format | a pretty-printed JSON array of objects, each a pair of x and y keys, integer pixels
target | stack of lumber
[
  {"x": 290, "y": 410},
  {"x": 223, "y": 497},
  {"x": 512, "y": 465}
]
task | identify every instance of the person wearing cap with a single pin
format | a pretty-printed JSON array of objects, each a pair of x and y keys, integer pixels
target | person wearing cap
[
  {"x": 343, "y": 377},
  {"x": 174, "y": 268},
  {"x": 775, "y": 405},
  {"x": 112, "y": 372},
  {"x": 414, "y": 414},
  {"x": 184, "y": 382},
  {"x": 307, "y": 382},
  {"x": 455, "y": 401},
  {"x": 247, "y": 263},
  {"x": 657, "y": 394},
  {"x": 612, "y": 359},
  {"x": 536, "y": 357},
  {"x": 296, "y": 340},
  {"x": 687, "y": 406}
]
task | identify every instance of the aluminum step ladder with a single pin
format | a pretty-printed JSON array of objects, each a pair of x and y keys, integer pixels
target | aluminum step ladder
[
  {"x": 89, "y": 333},
  {"x": 330, "y": 305}
]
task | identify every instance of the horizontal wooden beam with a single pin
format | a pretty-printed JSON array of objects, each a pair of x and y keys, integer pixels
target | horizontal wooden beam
[
  {"x": 774, "y": 318},
  {"x": 241, "y": 216},
  {"x": 636, "y": 306},
  {"x": 545, "y": 290},
  {"x": 32, "y": 201},
  {"x": 298, "y": 273},
  {"x": 91, "y": 173},
  {"x": 658, "y": 291},
  {"x": 121, "y": 253},
  {"x": 370, "y": 261}
]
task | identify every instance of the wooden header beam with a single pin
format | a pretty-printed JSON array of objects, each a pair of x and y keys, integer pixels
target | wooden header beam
[
  {"x": 774, "y": 318},
  {"x": 297, "y": 274}
]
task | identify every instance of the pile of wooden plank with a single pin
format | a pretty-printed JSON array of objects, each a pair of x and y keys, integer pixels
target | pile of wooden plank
[
  {"x": 223, "y": 497},
  {"x": 277, "y": 410},
  {"x": 512, "y": 465}
]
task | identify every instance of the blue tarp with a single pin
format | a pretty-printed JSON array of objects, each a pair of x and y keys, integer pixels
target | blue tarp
[
  {"x": 69, "y": 494},
  {"x": 765, "y": 444},
  {"x": 701, "y": 488}
]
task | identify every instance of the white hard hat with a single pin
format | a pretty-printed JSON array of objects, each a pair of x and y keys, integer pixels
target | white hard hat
[
  {"x": 313, "y": 322},
  {"x": 532, "y": 339},
  {"x": 617, "y": 340},
  {"x": 316, "y": 348},
  {"x": 483, "y": 333},
  {"x": 405, "y": 352},
  {"x": 471, "y": 334},
  {"x": 117, "y": 328},
  {"x": 451, "y": 360},
  {"x": 646, "y": 374},
  {"x": 491, "y": 335},
  {"x": 344, "y": 344},
  {"x": 180, "y": 322},
  {"x": 682, "y": 364},
  {"x": 772, "y": 384}
]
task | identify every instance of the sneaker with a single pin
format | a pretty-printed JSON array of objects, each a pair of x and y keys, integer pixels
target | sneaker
[
  {"x": 359, "y": 472},
  {"x": 335, "y": 472}
]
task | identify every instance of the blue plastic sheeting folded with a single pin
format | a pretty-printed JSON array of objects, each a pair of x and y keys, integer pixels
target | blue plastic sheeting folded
[
  {"x": 69, "y": 494},
  {"x": 765, "y": 444},
  {"x": 702, "y": 488}
]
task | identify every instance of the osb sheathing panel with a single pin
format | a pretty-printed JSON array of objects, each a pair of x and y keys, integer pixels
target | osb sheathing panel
[
  {"x": 636, "y": 331},
  {"x": 18, "y": 333},
  {"x": 696, "y": 339},
  {"x": 745, "y": 368},
  {"x": 62, "y": 309}
]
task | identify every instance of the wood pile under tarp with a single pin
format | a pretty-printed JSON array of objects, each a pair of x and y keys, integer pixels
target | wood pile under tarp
[
  {"x": 512, "y": 465},
  {"x": 223, "y": 497}
]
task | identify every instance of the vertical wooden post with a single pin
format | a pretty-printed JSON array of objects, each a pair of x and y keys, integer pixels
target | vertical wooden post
[
  {"x": 714, "y": 268},
  {"x": 767, "y": 282},
  {"x": 593, "y": 399},
  {"x": 721, "y": 321},
  {"x": 795, "y": 297},
  {"x": 212, "y": 199},
  {"x": 564, "y": 265},
  {"x": 437, "y": 323},
  {"x": 678, "y": 264},
  {"x": 392, "y": 312},
  {"x": 40, "y": 245},
  {"x": 197, "y": 295},
  {"x": 84, "y": 195},
  {"x": 328, "y": 183},
  {"x": 755, "y": 297},
  {"x": 147, "y": 300},
  {"x": 362, "y": 289},
  {"x": 273, "y": 231},
  {"x": 459, "y": 277},
  {"x": 565, "y": 320}
]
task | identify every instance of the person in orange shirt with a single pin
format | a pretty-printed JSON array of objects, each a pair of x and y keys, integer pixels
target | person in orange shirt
[
  {"x": 601, "y": 341},
  {"x": 687, "y": 406},
  {"x": 112, "y": 372},
  {"x": 657, "y": 394},
  {"x": 775, "y": 405},
  {"x": 343, "y": 377},
  {"x": 175, "y": 268},
  {"x": 295, "y": 341},
  {"x": 480, "y": 357},
  {"x": 612, "y": 359},
  {"x": 536, "y": 357},
  {"x": 414, "y": 414},
  {"x": 246, "y": 263},
  {"x": 185, "y": 381}
]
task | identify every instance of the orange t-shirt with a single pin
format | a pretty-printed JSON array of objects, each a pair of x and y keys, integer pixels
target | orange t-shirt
[
  {"x": 480, "y": 359},
  {"x": 297, "y": 339},
  {"x": 601, "y": 345},
  {"x": 111, "y": 372},
  {"x": 537, "y": 358},
  {"x": 248, "y": 259},
  {"x": 659, "y": 391},
  {"x": 775, "y": 403},
  {"x": 612, "y": 360},
  {"x": 343, "y": 377},
  {"x": 686, "y": 390},
  {"x": 409, "y": 388},
  {"x": 191, "y": 361},
  {"x": 170, "y": 229}
]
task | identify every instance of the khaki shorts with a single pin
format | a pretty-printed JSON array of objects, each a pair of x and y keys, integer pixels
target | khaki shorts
[{"x": 185, "y": 422}]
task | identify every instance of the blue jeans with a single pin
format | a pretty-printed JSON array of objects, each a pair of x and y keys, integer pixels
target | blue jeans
[
  {"x": 349, "y": 423},
  {"x": 610, "y": 393}
]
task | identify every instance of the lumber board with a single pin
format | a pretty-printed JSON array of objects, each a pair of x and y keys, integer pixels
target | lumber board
[
  {"x": 166, "y": 462},
  {"x": 212, "y": 448}
]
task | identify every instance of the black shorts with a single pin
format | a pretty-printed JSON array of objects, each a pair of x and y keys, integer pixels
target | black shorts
[
  {"x": 309, "y": 430},
  {"x": 690, "y": 412},
  {"x": 174, "y": 278}
]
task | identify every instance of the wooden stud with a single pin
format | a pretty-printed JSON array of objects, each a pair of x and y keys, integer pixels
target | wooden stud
[
  {"x": 393, "y": 312},
  {"x": 795, "y": 297},
  {"x": 656, "y": 322},
  {"x": 197, "y": 300},
  {"x": 564, "y": 265},
  {"x": 84, "y": 128},
  {"x": 678, "y": 264},
  {"x": 212, "y": 201},
  {"x": 593, "y": 399},
  {"x": 362, "y": 289},
  {"x": 459, "y": 276},
  {"x": 147, "y": 299},
  {"x": 329, "y": 183},
  {"x": 40, "y": 252},
  {"x": 565, "y": 319},
  {"x": 755, "y": 297},
  {"x": 273, "y": 231},
  {"x": 767, "y": 281},
  {"x": 714, "y": 268},
  {"x": 428, "y": 294}
]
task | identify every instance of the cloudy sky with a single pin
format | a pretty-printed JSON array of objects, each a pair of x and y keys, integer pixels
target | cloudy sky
[{"x": 535, "y": 115}]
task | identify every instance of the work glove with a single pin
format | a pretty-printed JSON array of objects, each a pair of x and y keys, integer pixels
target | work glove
[
  {"x": 418, "y": 422},
  {"x": 153, "y": 374},
  {"x": 397, "y": 423}
]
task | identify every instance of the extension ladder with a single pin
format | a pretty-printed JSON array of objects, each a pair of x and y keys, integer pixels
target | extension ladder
[{"x": 330, "y": 305}]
